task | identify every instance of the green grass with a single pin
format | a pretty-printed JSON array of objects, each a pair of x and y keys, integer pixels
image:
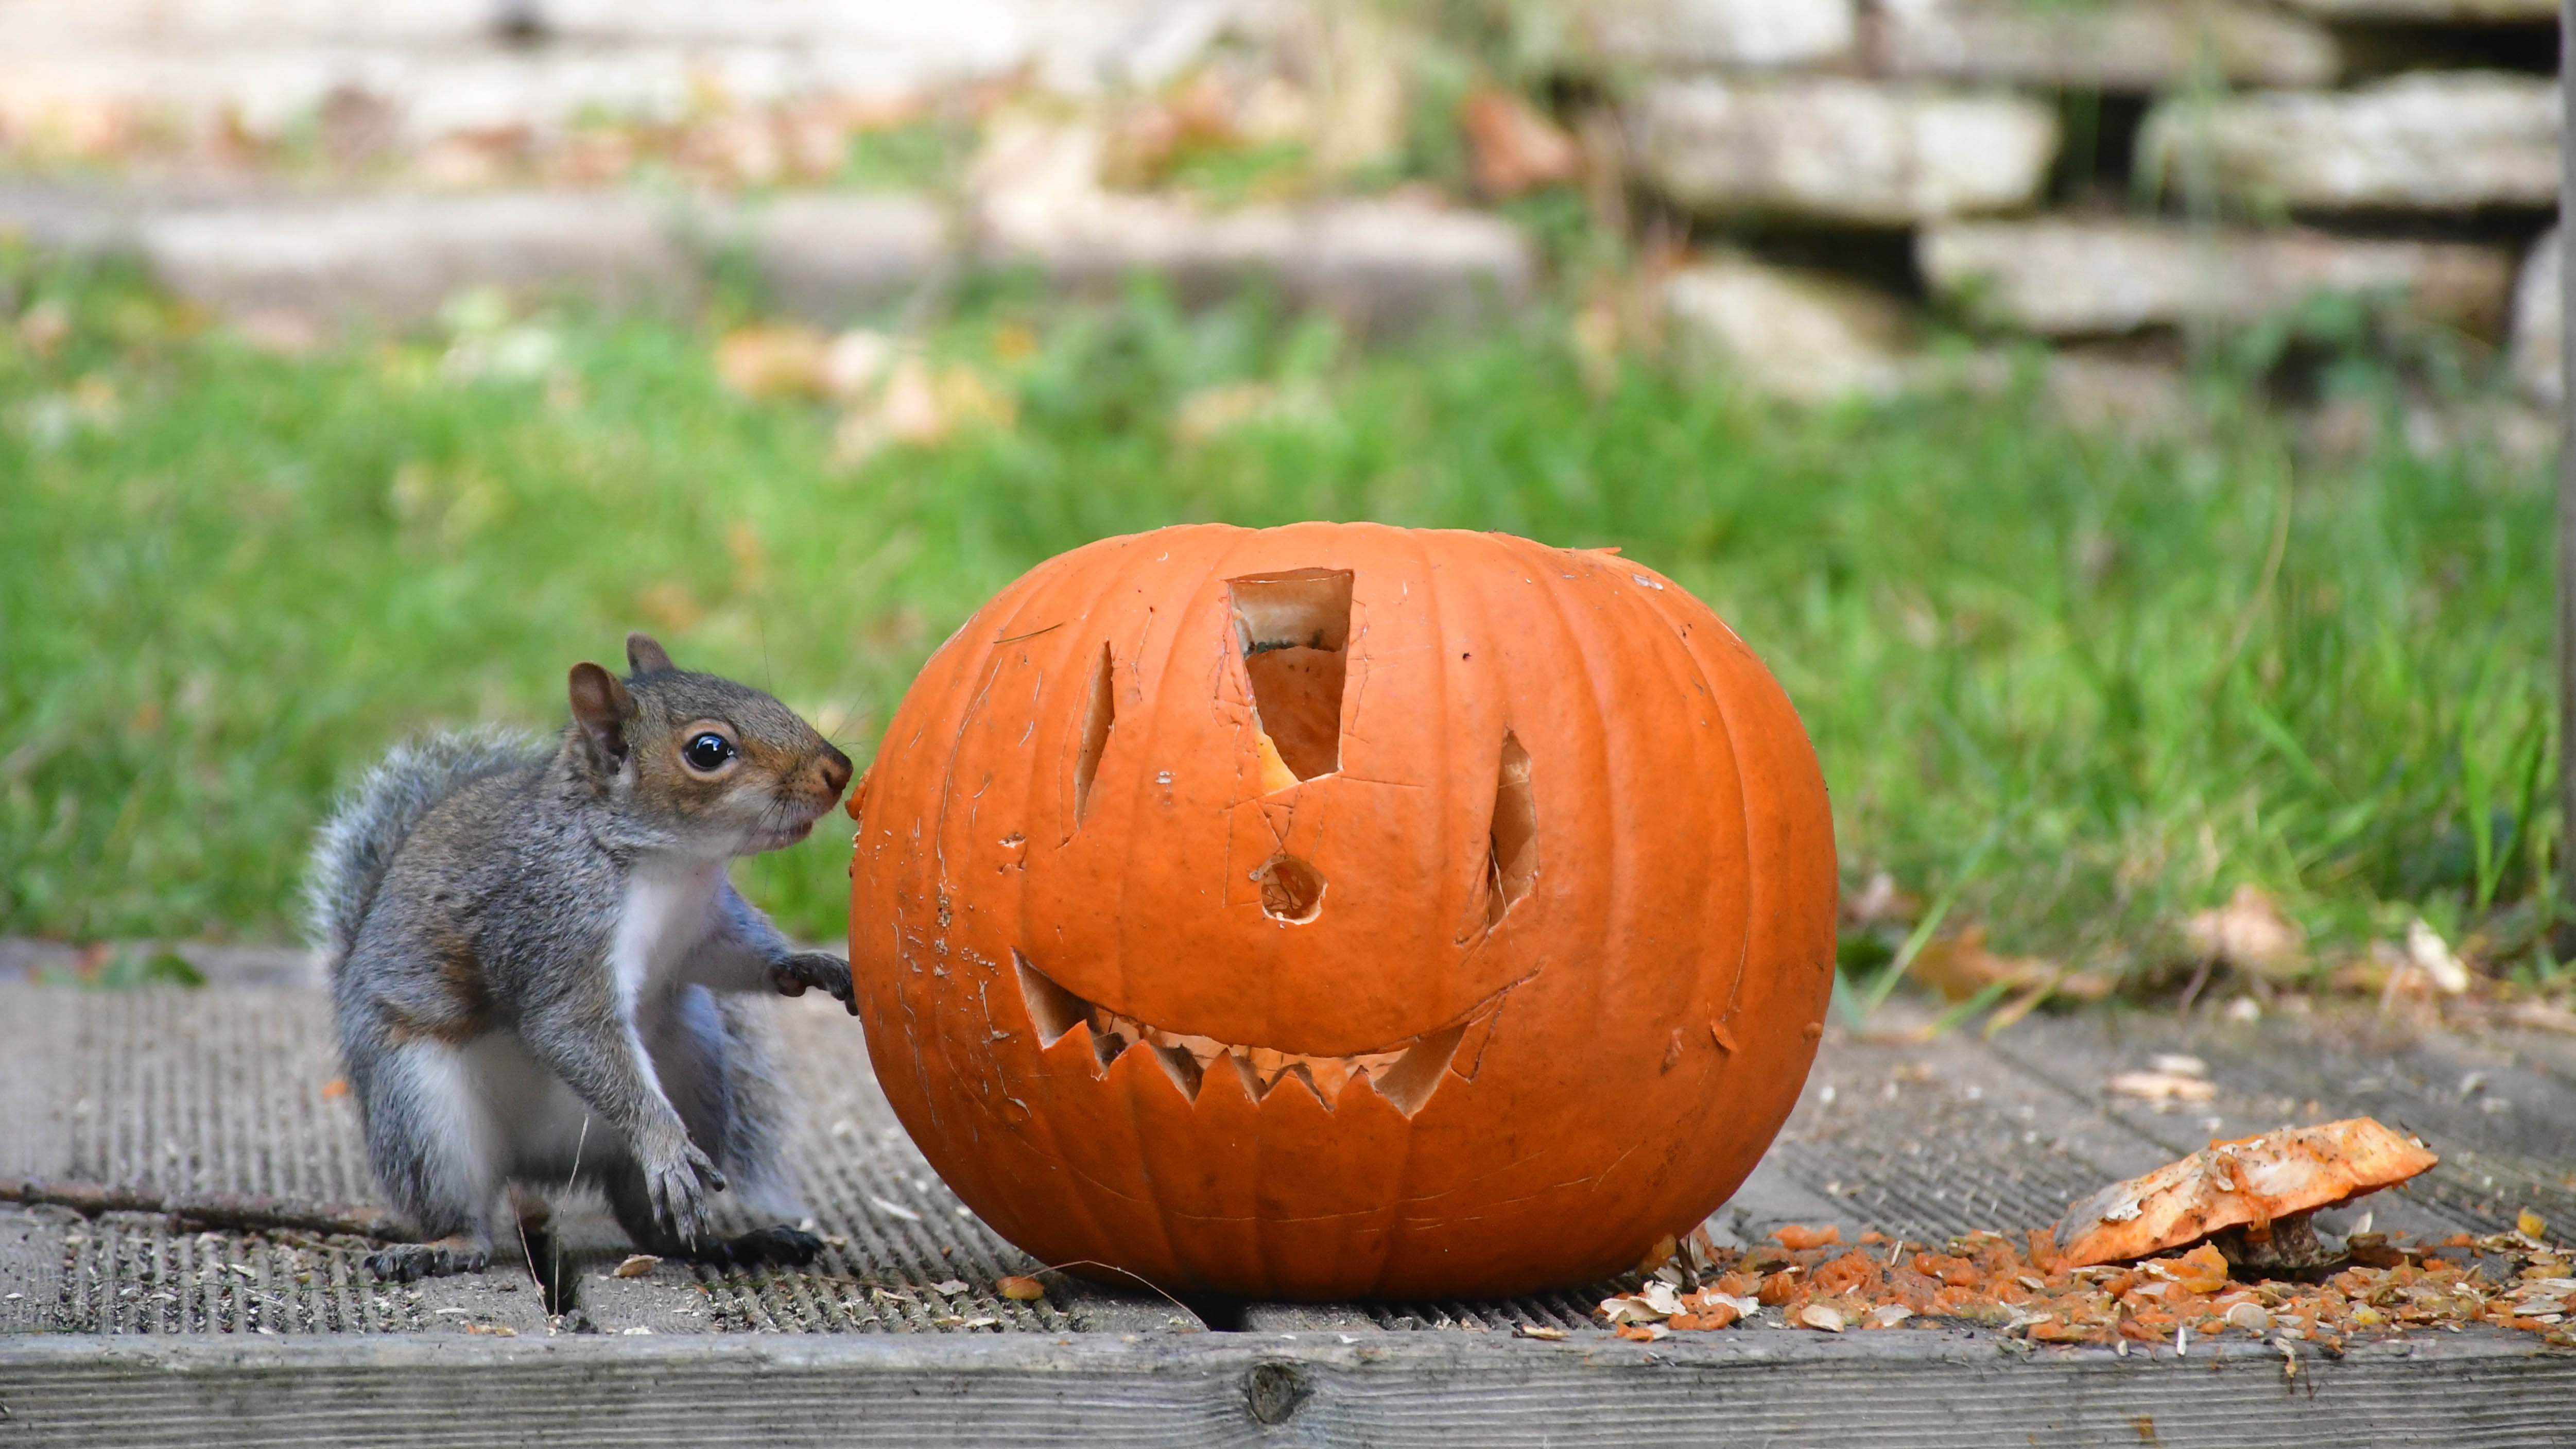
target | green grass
[{"x": 227, "y": 580}]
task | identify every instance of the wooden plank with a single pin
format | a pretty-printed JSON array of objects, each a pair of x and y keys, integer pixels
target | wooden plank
[{"x": 1914, "y": 1388}]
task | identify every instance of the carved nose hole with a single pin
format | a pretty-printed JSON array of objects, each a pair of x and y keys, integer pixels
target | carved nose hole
[
  {"x": 1294, "y": 631},
  {"x": 1511, "y": 842},
  {"x": 1290, "y": 889},
  {"x": 1097, "y": 718}
]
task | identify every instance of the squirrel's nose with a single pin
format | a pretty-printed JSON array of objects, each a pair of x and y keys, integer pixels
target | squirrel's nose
[{"x": 836, "y": 770}]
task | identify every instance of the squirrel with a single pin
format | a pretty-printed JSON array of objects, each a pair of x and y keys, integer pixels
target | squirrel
[{"x": 537, "y": 964}]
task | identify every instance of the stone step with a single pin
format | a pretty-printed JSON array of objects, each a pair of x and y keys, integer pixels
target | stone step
[
  {"x": 830, "y": 257},
  {"x": 2537, "y": 361},
  {"x": 2436, "y": 141},
  {"x": 1835, "y": 150},
  {"x": 2431, "y": 12},
  {"x": 1670, "y": 33},
  {"x": 2072, "y": 278},
  {"x": 2117, "y": 45}
]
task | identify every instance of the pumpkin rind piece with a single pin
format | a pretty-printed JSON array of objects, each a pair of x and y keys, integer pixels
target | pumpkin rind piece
[{"x": 2250, "y": 1181}]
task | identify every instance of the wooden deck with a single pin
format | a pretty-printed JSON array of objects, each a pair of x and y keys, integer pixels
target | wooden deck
[{"x": 121, "y": 1327}]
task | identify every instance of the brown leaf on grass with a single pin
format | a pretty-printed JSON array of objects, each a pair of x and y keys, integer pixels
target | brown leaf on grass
[
  {"x": 2250, "y": 1181},
  {"x": 2250, "y": 934},
  {"x": 1879, "y": 902},
  {"x": 1020, "y": 1289},
  {"x": 1960, "y": 967},
  {"x": 773, "y": 360},
  {"x": 1513, "y": 147}
]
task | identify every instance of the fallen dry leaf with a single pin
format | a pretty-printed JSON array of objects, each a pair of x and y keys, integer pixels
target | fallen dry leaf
[
  {"x": 2250, "y": 934},
  {"x": 1020, "y": 1289},
  {"x": 1512, "y": 146},
  {"x": 637, "y": 1265},
  {"x": 2254, "y": 1181},
  {"x": 773, "y": 360},
  {"x": 1959, "y": 966},
  {"x": 2159, "y": 1087},
  {"x": 2542, "y": 1016},
  {"x": 1880, "y": 902},
  {"x": 2431, "y": 955}
]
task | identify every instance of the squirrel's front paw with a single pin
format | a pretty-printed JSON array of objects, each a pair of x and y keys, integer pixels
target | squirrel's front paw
[
  {"x": 404, "y": 1262},
  {"x": 813, "y": 968},
  {"x": 676, "y": 1181}
]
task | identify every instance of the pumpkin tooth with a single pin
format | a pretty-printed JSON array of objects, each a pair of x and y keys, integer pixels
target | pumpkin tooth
[{"x": 1052, "y": 1009}]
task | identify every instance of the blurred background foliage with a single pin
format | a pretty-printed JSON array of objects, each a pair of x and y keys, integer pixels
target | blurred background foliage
[{"x": 2084, "y": 683}]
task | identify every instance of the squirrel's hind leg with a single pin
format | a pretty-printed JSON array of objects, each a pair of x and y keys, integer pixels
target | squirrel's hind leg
[{"x": 435, "y": 1150}]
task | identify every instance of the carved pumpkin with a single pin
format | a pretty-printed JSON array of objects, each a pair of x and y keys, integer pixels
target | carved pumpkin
[{"x": 1343, "y": 911}]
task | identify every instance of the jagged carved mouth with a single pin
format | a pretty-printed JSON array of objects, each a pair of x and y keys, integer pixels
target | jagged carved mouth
[{"x": 1405, "y": 1075}]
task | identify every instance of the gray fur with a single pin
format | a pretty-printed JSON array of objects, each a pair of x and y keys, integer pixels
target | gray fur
[
  {"x": 537, "y": 964},
  {"x": 359, "y": 841}
]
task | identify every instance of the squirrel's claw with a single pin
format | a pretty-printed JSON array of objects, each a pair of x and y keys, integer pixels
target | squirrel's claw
[
  {"x": 676, "y": 1186},
  {"x": 814, "y": 968}
]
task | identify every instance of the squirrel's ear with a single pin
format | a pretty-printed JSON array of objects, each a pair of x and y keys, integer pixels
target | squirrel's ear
[
  {"x": 602, "y": 706},
  {"x": 643, "y": 656}
]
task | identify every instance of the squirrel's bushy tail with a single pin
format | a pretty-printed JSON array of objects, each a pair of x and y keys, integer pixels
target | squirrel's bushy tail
[{"x": 357, "y": 844}]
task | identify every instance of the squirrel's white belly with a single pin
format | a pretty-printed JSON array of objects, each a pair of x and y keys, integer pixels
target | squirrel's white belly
[
  {"x": 544, "y": 1129},
  {"x": 668, "y": 911}
]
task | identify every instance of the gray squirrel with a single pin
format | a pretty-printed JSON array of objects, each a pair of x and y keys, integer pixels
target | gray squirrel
[{"x": 538, "y": 966}]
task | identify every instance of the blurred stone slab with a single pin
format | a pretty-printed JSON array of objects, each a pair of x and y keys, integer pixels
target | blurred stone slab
[
  {"x": 2431, "y": 12},
  {"x": 451, "y": 64},
  {"x": 830, "y": 256},
  {"x": 398, "y": 257},
  {"x": 2068, "y": 278},
  {"x": 1829, "y": 149},
  {"x": 2118, "y": 45},
  {"x": 2436, "y": 141},
  {"x": 2536, "y": 361},
  {"x": 1383, "y": 263},
  {"x": 1715, "y": 32},
  {"x": 1784, "y": 332},
  {"x": 27, "y": 958}
]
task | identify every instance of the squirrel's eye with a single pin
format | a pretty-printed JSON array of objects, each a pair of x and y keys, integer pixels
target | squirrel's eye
[{"x": 707, "y": 751}]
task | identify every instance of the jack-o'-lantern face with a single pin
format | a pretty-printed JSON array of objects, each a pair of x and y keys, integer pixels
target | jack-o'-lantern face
[{"x": 1340, "y": 910}]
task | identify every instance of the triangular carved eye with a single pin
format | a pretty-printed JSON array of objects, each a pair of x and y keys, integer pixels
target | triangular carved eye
[
  {"x": 1098, "y": 717},
  {"x": 1511, "y": 841}
]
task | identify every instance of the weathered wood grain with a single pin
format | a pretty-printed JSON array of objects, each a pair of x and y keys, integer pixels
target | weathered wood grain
[{"x": 1908, "y": 1388}]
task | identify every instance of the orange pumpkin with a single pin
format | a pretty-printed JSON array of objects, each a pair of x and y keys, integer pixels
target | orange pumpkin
[{"x": 1343, "y": 911}]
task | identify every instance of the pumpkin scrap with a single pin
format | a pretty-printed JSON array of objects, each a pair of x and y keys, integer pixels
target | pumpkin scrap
[
  {"x": 2021, "y": 1289},
  {"x": 2250, "y": 1183}
]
